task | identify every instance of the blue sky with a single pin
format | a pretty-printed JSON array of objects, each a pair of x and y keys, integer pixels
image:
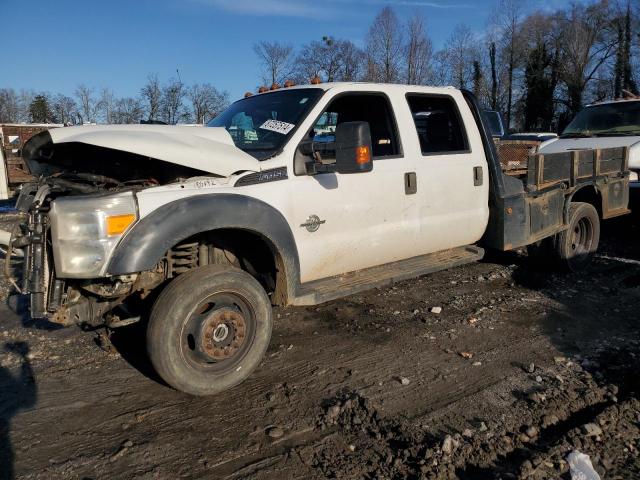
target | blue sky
[{"x": 55, "y": 45}]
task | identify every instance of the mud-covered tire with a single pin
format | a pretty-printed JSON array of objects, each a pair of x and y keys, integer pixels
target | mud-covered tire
[
  {"x": 209, "y": 329},
  {"x": 576, "y": 245}
]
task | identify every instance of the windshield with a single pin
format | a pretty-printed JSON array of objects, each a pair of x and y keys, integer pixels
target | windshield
[
  {"x": 606, "y": 120},
  {"x": 261, "y": 124}
]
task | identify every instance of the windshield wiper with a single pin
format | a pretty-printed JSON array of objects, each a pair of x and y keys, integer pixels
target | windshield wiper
[{"x": 576, "y": 135}]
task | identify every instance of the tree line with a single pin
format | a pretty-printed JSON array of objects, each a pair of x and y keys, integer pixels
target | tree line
[
  {"x": 539, "y": 68},
  {"x": 170, "y": 102}
]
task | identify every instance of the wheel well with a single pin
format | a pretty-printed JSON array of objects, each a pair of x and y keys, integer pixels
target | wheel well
[
  {"x": 589, "y": 194},
  {"x": 244, "y": 249}
]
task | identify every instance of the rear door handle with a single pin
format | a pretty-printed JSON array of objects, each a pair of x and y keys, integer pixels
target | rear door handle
[
  {"x": 410, "y": 183},
  {"x": 477, "y": 176}
]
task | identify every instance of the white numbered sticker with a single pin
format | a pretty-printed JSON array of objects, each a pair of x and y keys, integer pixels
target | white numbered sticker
[{"x": 277, "y": 126}]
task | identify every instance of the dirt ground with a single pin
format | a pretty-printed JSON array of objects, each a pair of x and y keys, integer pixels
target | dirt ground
[{"x": 520, "y": 368}]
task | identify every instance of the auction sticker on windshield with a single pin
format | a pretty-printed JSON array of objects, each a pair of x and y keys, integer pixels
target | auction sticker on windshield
[{"x": 277, "y": 126}]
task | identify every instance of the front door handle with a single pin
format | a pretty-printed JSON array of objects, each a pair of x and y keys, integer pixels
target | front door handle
[
  {"x": 410, "y": 183},
  {"x": 477, "y": 176}
]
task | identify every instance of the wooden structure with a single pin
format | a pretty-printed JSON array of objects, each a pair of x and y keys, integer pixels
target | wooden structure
[{"x": 13, "y": 136}]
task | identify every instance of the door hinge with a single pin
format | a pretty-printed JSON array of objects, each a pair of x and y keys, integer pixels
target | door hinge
[{"x": 410, "y": 183}]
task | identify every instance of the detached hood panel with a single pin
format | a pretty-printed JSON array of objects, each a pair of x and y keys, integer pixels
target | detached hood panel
[{"x": 200, "y": 148}]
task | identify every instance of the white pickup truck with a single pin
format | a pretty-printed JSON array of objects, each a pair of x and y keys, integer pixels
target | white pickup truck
[
  {"x": 295, "y": 196},
  {"x": 609, "y": 124}
]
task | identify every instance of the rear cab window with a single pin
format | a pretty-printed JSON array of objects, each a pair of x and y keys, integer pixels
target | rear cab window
[{"x": 438, "y": 124}]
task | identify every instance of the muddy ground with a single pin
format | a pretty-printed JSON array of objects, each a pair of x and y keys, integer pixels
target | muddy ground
[{"x": 520, "y": 368}]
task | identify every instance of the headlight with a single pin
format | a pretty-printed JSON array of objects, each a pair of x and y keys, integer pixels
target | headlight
[
  {"x": 634, "y": 156},
  {"x": 86, "y": 229}
]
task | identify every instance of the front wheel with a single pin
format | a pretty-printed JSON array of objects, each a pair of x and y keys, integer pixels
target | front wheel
[{"x": 209, "y": 329}]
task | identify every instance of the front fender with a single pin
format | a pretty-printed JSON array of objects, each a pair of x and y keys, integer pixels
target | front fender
[{"x": 149, "y": 240}]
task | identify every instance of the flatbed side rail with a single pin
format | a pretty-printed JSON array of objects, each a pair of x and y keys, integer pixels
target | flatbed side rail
[{"x": 575, "y": 167}]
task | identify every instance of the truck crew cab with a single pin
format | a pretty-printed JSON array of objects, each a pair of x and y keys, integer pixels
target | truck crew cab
[{"x": 295, "y": 196}]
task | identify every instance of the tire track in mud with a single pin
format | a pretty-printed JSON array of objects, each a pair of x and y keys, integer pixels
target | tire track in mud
[{"x": 89, "y": 411}]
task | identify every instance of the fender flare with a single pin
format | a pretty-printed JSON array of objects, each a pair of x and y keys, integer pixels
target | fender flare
[{"x": 150, "y": 238}]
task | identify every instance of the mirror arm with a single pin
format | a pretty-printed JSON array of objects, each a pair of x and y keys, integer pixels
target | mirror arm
[{"x": 313, "y": 168}]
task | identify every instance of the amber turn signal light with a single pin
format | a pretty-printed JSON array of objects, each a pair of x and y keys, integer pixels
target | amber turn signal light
[
  {"x": 117, "y": 224},
  {"x": 363, "y": 155}
]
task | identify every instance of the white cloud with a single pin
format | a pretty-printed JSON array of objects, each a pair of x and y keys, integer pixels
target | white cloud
[
  {"x": 414, "y": 3},
  {"x": 282, "y": 8},
  {"x": 311, "y": 8}
]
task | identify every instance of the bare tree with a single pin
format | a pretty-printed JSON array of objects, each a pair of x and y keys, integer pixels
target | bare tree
[
  {"x": 459, "y": 53},
  {"x": 9, "y": 108},
  {"x": 173, "y": 94},
  {"x": 494, "y": 76},
  {"x": 384, "y": 47},
  {"x": 206, "y": 101},
  {"x": 332, "y": 60},
  {"x": 106, "y": 104},
  {"x": 352, "y": 61},
  {"x": 507, "y": 18},
  {"x": 87, "y": 103},
  {"x": 151, "y": 94},
  {"x": 308, "y": 64},
  {"x": 25, "y": 98},
  {"x": 127, "y": 110},
  {"x": 64, "y": 108},
  {"x": 587, "y": 43},
  {"x": 418, "y": 51},
  {"x": 275, "y": 58}
]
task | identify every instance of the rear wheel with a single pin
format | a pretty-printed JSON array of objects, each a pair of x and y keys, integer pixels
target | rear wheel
[
  {"x": 576, "y": 245},
  {"x": 209, "y": 329}
]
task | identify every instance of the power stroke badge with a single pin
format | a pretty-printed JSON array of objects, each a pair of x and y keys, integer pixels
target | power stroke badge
[{"x": 313, "y": 223}]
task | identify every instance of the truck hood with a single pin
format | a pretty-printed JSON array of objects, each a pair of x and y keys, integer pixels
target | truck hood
[
  {"x": 564, "y": 144},
  {"x": 200, "y": 148}
]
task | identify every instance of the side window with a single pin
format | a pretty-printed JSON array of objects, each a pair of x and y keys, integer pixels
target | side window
[
  {"x": 372, "y": 108},
  {"x": 438, "y": 124}
]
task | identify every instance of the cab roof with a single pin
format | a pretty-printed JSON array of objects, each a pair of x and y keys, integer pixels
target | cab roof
[{"x": 363, "y": 86}]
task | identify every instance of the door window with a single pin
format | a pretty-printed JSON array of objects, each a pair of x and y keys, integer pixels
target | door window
[
  {"x": 438, "y": 124},
  {"x": 372, "y": 108}
]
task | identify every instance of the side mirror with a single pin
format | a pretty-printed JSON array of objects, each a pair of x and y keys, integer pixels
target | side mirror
[{"x": 353, "y": 148}]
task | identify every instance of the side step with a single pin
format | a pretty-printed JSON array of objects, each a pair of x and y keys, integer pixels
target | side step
[{"x": 327, "y": 289}]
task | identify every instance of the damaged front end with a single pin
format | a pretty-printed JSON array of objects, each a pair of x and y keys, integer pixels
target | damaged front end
[
  {"x": 85, "y": 202},
  {"x": 66, "y": 238},
  {"x": 70, "y": 222}
]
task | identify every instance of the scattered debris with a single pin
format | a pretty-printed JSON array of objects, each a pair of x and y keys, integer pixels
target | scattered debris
[
  {"x": 275, "y": 432},
  {"x": 592, "y": 430},
  {"x": 581, "y": 467}
]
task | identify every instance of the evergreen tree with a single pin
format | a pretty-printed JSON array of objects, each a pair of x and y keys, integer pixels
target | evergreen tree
[{"x": 40, "y": 110}]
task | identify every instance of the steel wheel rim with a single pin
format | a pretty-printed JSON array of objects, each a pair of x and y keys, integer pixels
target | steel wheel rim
[
  {"x": 582, "y": 237},
  {"x": 218, "y": 333}
]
